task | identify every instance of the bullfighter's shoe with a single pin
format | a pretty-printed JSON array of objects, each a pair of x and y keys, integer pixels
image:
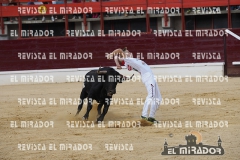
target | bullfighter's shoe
[
  {"x": 153, "y": 120},
  {"x": 144, "y": 117}
]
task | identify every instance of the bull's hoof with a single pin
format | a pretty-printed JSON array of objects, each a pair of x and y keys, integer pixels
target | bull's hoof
[
  {"x": 84, "y": 118},
  {"x": 99, "y": 119},
  {"x": 77, "y": 113},
  {"x": 98, "y": 122}
]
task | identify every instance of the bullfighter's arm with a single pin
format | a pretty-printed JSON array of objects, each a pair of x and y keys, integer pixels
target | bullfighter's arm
[{"x": 117, "y": 52}]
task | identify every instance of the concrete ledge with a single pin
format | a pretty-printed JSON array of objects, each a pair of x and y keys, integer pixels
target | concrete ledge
[
  {"x": 236, "y": 63},
  {"x": 77, "y": 74}
]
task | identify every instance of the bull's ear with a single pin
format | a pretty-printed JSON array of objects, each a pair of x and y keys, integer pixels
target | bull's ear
[{"x": 120, "y": 79}]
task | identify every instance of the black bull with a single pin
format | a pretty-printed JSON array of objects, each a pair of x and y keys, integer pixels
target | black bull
[{"x": 99, "y": 85}]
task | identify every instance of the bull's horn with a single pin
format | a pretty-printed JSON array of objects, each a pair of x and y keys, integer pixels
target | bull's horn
[
  {"x": 126, "y": 78},
  {"x": 131, "y": 76}
]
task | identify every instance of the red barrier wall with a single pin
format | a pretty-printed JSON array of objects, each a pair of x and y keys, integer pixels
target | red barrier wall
[{"x": 98, "y": 46}]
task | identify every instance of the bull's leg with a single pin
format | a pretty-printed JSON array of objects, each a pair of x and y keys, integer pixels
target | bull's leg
[
  {"x": 99, "y": 109},
  {"x": 83, "y": 95},
  {"x": 89, "y": 107},
  {"x": 105, "y": 110}
]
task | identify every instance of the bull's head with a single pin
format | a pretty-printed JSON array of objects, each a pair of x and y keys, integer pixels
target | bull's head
[{"x": 111, "y": 78}]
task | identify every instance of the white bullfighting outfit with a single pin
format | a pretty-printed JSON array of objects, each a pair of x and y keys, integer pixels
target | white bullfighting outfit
[{"x": 154, "y": 97}]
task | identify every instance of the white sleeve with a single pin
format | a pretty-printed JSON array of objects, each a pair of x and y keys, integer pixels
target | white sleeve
[
  {"x": 130, "y": 62},
  {"x": 127, "y": 66},
  {"x": 125, "y": 63}
]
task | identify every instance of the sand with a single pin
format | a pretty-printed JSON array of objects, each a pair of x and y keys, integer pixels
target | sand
[{"x": 97, "y": 141}]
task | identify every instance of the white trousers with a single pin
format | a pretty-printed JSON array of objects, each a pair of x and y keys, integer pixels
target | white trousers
[{"x": 153, "y": 98}]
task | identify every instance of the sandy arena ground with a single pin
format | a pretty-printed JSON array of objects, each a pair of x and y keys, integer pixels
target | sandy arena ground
[{"x": 147, "y": 141}]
